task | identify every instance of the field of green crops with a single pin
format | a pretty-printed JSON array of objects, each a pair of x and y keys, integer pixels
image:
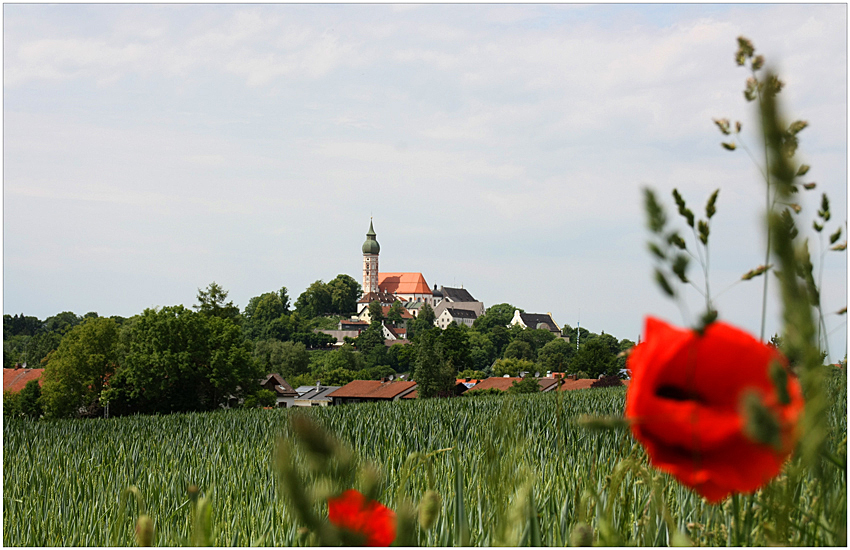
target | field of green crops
[{"x": 63, "y": 480}]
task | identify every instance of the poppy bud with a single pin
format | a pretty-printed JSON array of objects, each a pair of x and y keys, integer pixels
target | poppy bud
[
  {"x": 370, "y": 481},
  {"x": 429, "y": 509},
  {"x": 581, "y": 535},
  {"x": 144, "y": 530},
  {"x": 193, "y": 493},
  {"x": 760, "y": 424}
]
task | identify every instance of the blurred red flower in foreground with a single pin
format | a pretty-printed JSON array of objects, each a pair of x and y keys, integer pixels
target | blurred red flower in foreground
[
  {"x": 685, "y": 404},
  {"x": 352, "y": 511}
]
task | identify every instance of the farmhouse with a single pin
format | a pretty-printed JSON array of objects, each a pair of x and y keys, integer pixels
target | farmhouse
[
  {"x": 361, "y": 391},
  {"x": 282, "y": 390}
]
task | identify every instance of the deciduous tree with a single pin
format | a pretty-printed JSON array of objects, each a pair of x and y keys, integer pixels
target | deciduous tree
[{"x": 77, "y": 371}]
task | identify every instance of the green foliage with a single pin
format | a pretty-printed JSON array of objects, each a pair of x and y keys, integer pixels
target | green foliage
[
  {"x": 595, "y": 358},
  {"x": 314, "y": 301},
  {"x": 455, "y": 347},
  {"x": 536, "y": 338},
  {"x": 434, "y": 376},
  {"x": 336, "y": 377},
  {"x": 519, "y": 349},
  {"x": 180, "y": 360},
  {"x": 473, "y": 374},
  {"x": 11, "y": 406},
  {"x": 482, "y": 352},
  {"x": 76, "y": 373},
  {"x": 266, "y": 316},
  {"x": 29, "y": 400},
  {"x": 344, "y": 291},
  {"x": 528, "y": 384},
  {"x": 376, "y": 313},
  {"x": 211, "y": 301},
  {"x": 402, "y": 357},
  {"x": 285, "y": 358},
  {"x": 498, "y": 315},
  {"x": 512, "y": 367},
  {"x": 555, "y": 355},
  {"x": 261, "y": 398},
  {"x": 426, "y": 314},
  {"x": 394, "y": 314},
  {"x": 472, "y": 392}
]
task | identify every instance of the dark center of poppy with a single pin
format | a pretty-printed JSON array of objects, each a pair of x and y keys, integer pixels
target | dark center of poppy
[{"x": 676, "y": 393}]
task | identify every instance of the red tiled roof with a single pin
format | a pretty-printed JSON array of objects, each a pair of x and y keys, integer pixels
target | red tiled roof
[
  {"x": 580, "y": 384},
  {"x": 404, "y": 313},
  {"x": 373, "y": 389},
  {"x": 403, "y": 283},
  {"x": 499, "y": 383},
  {"x": 547, "y": 383},
  {"x": 471, "y": 380},
  {"x": 15, "y": 379}
]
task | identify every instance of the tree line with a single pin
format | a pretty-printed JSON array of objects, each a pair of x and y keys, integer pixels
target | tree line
[{"x": 178, "y": 359}]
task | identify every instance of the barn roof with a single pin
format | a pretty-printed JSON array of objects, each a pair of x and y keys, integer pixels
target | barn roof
[{"x": 14, "y": 380}]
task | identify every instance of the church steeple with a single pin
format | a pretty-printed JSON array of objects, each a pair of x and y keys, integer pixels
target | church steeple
[{"x": 371, "y": 249}]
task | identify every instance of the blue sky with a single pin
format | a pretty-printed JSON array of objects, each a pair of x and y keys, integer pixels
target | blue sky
[{"x": 152, "y": 149}]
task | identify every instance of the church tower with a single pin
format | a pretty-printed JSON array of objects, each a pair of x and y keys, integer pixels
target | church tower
[{"x": 371, "y": 248}]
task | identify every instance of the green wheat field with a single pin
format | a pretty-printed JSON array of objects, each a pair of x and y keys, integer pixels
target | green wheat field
[{"x": 63, "y": 480}]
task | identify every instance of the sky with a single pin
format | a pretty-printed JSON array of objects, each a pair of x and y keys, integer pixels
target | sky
[{"x": 152, "y": 149}]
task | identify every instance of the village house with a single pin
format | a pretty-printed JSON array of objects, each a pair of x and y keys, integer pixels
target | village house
[
  {"x": 451, "y": 315},
  {"x": 361, "y": 391},
  {"x": 504, "y": 383},
  {"x": 316, "y": 396},
  {"x": 283, "y": 391},
  {"x": 536, "y": 320}
]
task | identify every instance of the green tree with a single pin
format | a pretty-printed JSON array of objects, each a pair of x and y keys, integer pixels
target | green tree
[
  {"x": 536, "y": 338},
  {"x": 402, "y": 357},
  {"x": 62, "y": 322},
  {"x": 473, "y": 374},
  {"x": 500, "y": 337},
  {"x": 519, "y": 349},
  {"x": 180, "y": 361},
  {"x": 376, "y": 313},
  {"x": 261, "y": 398},
  {"x": 528, "y": 384},
  {"x": 314, "y": 301},
  {"x": 394, "y": 314},
  {"x": 211, "y": 301},
  {"x": 11, "y": 407},
  {"x": 336, "y": 377},
  {"x": 285, "y": 358},
  {"x": 344, "y": 292},
  {"x": 266, "y": 316},
  {"x": 498, "y": 315},
  {"x": 434, "y": 377},
  {"x": 426, "y": 314},
  {"x": 555, "y": 356},
  {"x": 512, "y": 367},
  {"x": 77, "y": 371},
  {"x": 455, "y": 347},
  {"x": 482, "y": 352},
  {"x": 594, "y": 358},
  {"x": 29, "y": 400}
]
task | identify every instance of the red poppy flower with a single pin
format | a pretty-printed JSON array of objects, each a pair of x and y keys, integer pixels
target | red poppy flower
[
  {"x": 352, "y": 511},
  {"x": 684, "y": 403}
]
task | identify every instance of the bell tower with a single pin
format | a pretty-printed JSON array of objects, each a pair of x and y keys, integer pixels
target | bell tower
[{"x": 371, "y": 249}]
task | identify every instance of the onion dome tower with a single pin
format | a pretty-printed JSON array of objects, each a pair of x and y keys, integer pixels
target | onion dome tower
[{"x": 371, "y": 249}]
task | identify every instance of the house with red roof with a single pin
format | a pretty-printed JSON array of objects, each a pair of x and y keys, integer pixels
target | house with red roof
[
  {"x": 362, "y": 391},
  {"x": 504, "y": 383},
  {"x": 14, "y": 380}
]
